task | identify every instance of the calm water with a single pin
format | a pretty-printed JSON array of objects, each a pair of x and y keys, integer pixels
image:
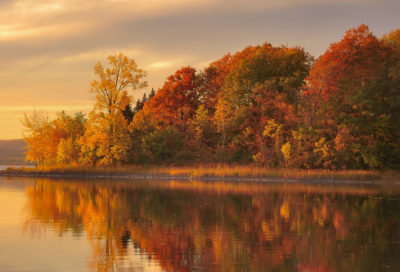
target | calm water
[{"x": 88, "y": 225}]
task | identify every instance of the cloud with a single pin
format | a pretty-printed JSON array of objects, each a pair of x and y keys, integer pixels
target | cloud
[
  {"x": 64, "y": 28},
  {"x": 46, "y": 108},
  {"x": 4, "y": 3},
  {"x": 160, "y": 64}
]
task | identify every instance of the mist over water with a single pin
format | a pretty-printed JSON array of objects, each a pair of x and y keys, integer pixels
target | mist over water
[{"x": 113, "y": 225}]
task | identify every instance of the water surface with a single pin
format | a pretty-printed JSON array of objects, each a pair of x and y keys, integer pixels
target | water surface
[{"x": 114, "y": 225}]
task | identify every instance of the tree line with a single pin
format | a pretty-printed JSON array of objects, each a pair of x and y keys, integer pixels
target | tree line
[{"x": 274, "y": 106}]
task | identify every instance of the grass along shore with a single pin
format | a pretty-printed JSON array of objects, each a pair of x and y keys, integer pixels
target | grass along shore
[{"x": 204, "y": 171}]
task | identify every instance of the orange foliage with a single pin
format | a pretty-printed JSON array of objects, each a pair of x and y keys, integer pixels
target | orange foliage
[
  {"x": 176, "y": 96},
  {"x": 357, "y": 56}
]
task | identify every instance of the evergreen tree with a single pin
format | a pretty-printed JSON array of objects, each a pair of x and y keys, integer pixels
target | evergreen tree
[
  {"x": 128, "y": 113},
  {"x": 144, "y": 98},
  {"x": 138, "y": 107},
  {"x": 152, "y": 93}
]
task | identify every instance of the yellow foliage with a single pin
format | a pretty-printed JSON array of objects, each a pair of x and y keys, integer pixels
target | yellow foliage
[
  {"x": 36, "y": 128},
  {"x": 286, "y": 152},
  {"x": 272, "y": 129},
  {"x": 322, "y": 148},
  {"x": 392, "y": 39},
  {"x": 106, "y": 140},
  {"x": 222, "y": 118},
  {"x": 111, "y": 89}
]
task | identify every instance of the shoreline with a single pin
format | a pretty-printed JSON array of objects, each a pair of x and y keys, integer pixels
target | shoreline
[{"x": 271, "y": 179}]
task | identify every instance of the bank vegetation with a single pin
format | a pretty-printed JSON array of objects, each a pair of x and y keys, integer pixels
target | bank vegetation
[{"x": 266, "y": 110}]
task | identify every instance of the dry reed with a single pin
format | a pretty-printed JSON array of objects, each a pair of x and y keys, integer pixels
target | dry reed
[{"x": 221, "y": 171}]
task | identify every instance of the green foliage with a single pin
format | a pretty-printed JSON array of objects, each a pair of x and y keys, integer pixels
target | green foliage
[
  {"x": 162, "y": 146},
  {"x": 285, "y": 68},
  {"x": 239, "y": 84}
]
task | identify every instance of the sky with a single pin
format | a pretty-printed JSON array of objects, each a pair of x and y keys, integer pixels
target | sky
[{"x": 48, "y": 48}]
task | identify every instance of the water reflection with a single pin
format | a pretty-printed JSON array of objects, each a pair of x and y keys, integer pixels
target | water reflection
[{"x": 223, "y": 226}]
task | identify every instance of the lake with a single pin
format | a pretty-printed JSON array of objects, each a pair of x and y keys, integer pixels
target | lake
[{"x": 116, "y": 225}]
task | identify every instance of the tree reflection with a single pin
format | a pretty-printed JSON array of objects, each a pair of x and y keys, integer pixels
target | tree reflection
[{"x": 223, "y": 226}]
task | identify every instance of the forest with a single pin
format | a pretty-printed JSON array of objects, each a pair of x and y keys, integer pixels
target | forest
[{"x": 269, "y": 106}]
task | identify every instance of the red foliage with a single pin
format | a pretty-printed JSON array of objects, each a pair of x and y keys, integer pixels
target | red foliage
[
  {"x": 177, "y": 94},
  {"x": 358, "y": 56}
]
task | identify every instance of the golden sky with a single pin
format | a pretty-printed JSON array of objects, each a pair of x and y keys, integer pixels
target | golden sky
[{"x": 48, "y": 48}]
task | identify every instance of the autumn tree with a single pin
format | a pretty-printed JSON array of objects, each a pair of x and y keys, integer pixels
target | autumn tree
[
  {"x": 262, "y": 85},
  {"x": 106, "y": 139},
  {"x": 269, "y": 124},
  {"x": 352, "y": 101},
  {"x": 36, "y": 136},
  {"x": 285, "y": 67},
  {"x": 392, "y": 39},
  {"x": 357, "y": 56},
  {"x": 177, "y": 94},
  {"x": 56, "y": 141},
  {"x": 201, "y": 140},
  {"x": 211, "y": 81},
  {"x": 69, "y": 148}
]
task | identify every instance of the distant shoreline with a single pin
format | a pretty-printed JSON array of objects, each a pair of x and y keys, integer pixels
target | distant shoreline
[{"x": 5, "y": 166}]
